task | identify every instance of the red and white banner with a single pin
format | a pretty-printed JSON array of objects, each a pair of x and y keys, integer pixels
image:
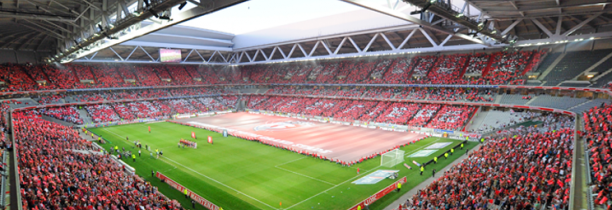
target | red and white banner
[
  {"x": 193, "y": 135},
  {"x": 192, "y": 195},
  {"x": 210, "y": 139},
  {"x": 378, "y": 195}
]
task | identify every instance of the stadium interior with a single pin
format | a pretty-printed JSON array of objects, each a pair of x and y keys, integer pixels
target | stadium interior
[{"x": 526, "y": 85}]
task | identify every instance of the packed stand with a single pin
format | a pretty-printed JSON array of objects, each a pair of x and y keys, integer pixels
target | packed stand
[
  {"x": 424, "y": 115},
  {"x": 182, "y": 106},
  {"x": 146, "y": 76},
  {"x": 179, "y": 75},
  {"x": 526, "y": 169},
  {"x": 55, "y": 174},
  {"x": 68, "y": 114},
  {"x": 598, "y": 135},
  {"x": 373, "y": 113},
  {"x": 360, "y": 72},
  {"x": 107, "y": 77},
  {"x": 451, "y": 117},
  {"x": 212, "y": 104},
  {"x": 16, "y": 79},
  {"x": 398, "y": 113},
  {"x": 355, "y": 110},
  {"x": 101, "y": 113}
]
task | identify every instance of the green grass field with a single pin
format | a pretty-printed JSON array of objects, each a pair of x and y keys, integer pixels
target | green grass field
[{"x": 239, "y": 174}]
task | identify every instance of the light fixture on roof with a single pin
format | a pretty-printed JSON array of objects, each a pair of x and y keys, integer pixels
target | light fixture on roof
[{"x": 182, "y": 5}]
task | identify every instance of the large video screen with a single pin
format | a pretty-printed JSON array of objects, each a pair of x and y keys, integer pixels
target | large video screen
[{"x": 169, "y": 55}]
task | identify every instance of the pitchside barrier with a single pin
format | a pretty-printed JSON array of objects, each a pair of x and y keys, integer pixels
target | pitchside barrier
[
  {"x": 197, "y": 198},
  {"x": 378, "y": 195},
  {"x": 447, "y": 151}
]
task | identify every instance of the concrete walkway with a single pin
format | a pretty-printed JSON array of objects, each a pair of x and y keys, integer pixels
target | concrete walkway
[{"x": 413, "y": 191}]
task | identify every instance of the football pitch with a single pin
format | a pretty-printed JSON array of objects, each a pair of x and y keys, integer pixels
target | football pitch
[{"x": 239, "y": 174}]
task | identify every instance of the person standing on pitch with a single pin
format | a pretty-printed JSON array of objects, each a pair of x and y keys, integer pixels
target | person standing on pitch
[
  {"x": 138, "y": 153},
  {"x": 134, "y": 157},
  {"x": 433, "y": 173},
  {"x": 357, "y": 170},
  {"x": 422, "y": 169},
  {"x": 435, "y": 160},
  {"x": 399, "y": 186}
]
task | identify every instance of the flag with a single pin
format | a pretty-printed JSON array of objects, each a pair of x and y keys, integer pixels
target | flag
[
  {"x": 193, "y": 135},
  {"x": 210, "y": 139}
]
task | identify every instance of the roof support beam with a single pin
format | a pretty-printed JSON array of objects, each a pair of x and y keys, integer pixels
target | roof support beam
[
  {"x": 406, "y": 39},
  {"x": 558, "y": 29},
  {"x": 340, "y": 45},
  {"x": 370, "y": 43},
  {"x": 516, "y": 22},
  {"x": 410, "y": 18},
  {"x": 580, "y": 25},
  {"x": 354, "y": 44},
  {"x": 291, "y": 51},
  {"x": 388, "y": 41},
  {"x": 433, "y": 43},
  {"x": 45, "y": 31},
  {"x": 446, "y": 40},
  {"x": 326, "y": 48},
  {"x": 544, "y": 29},
  {"x": 313, "y": 49}
]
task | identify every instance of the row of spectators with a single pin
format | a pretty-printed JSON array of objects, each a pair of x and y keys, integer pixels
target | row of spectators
[
  {"x": 413, "y": 114},
  {"x": 496, "y": 68},
  {"x": 597, "y": 127},
  {"x": 68, "y": 113},
  {"x": 60, "y": 170}
]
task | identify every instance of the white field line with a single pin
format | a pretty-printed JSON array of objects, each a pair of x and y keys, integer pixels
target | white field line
[
  {"x": 113, "y": 133},
  {"x": 220, "y": 183},
  {"x": 351, "y": 179},
  {"x": 290, "y": 161},
  {"x": 304, "y": 175},
  {"x": 331, "y": 188},
  {"x": 206, "y": 176}
]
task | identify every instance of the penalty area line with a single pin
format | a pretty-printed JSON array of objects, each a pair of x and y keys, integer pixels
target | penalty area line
[
  {"x": 353, "y": 178},
  {"x": 331, "y": 188},
  {"x": 218, "y": 182}
]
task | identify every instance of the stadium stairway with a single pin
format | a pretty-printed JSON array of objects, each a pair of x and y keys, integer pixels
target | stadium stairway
[
  {"x": 531, "y": 100},
  {"x": 47, "y": 118},
  {"x": 551, "y": 67},
  {"x": 477, "y": 121},
  {"x": 85, "y": 116},
  {"x": 498, "y": 98}
]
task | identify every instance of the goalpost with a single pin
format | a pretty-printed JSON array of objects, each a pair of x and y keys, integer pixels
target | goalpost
[{"x": 392, "y": 158}]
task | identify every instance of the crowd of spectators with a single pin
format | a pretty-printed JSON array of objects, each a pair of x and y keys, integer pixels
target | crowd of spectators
[
  {"x": 60, "y": 170},
  {"x": 452, "y": 117},
  {"x": 424, "y": 115},
  {"x": 212, "y": 104},
  {"x": 50, "y": 99},
  {"x": 530, "y": 169},
  {"x": 107, "y": 77},
  {"x": 101, "y": 113},
  {"x": 398, "y": 113},
  {"x": 374, "y": 112},
  {"x": 66, "y": 113},
  {"x": 183, "y": 106},
  {"x": 598, "y": 135},
  {"x": 504, "y": 68},
  {"x": 354, "y": 110}
]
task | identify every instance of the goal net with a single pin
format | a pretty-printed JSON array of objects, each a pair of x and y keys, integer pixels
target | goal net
[{"x": 392, "y": 158}]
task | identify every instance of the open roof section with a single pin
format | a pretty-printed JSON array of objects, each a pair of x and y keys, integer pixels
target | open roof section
[{"x": 262, "y": 22}]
